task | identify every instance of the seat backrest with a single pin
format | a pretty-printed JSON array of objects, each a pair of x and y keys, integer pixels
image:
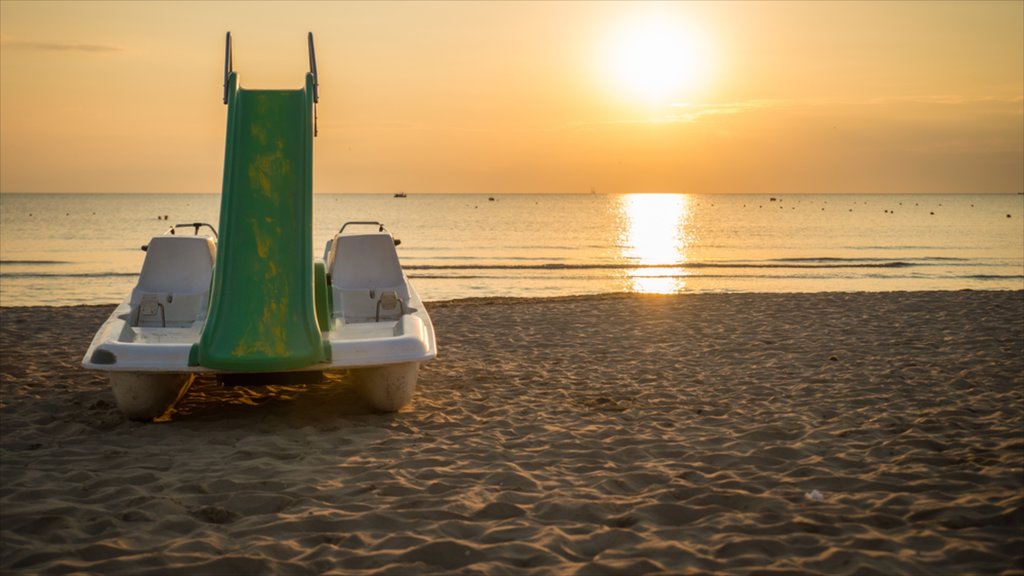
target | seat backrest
[
  {"x": 365, "y": 261},
  {"x": 177, "y": 264}
]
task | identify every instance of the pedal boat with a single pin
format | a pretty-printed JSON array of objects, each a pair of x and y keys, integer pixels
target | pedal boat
[
  {"x": 256, "y": 304},
  {"x": 372, "y": 320}
]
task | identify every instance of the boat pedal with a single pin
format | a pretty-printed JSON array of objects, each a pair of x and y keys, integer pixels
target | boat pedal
[
  {"x": 388, "y": 302},
  {"x": 150, "y": 309}
]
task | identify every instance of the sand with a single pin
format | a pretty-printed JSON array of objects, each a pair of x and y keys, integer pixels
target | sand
[{"x": 735, "y": 434}]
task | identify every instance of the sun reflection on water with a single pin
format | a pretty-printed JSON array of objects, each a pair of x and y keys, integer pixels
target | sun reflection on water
[{"x": 654, "y": 239}]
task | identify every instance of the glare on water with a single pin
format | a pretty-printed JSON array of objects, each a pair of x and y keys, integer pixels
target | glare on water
[{"x": 654, "y": 236}]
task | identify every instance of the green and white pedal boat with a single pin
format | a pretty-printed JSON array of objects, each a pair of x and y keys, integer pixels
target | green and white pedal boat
[{"x": 256, "y": 302}]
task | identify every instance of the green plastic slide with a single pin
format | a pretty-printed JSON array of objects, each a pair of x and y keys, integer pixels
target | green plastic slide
[{"x": 263, "y": 311}]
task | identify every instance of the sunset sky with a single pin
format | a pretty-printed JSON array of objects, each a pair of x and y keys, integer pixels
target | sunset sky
[{"x": 492, "y": 97}]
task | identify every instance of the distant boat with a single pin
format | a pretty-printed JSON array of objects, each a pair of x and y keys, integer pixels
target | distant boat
[{"x": 401, "y": 195}]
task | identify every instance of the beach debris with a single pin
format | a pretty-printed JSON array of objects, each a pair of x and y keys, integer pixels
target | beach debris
[{"x": 814, "y": 496}]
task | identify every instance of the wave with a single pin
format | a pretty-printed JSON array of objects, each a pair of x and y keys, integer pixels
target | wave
[
  {"x": 68, "y": 275},
  {"x": 34, "y": 262},
  {"x": 625, "y": 266},
  {"x": 784, "y": 267},
  {"x": 868, "y": 260},
  {"x": 995, "y": 277},
  {"x": 508, "y": 278}
]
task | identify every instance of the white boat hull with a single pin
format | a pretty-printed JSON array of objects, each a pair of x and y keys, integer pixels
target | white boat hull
[
  {"x": 387, "y": 388},
  {"x": 378, "y": 331},
  {"x": 148, "y": 395}
]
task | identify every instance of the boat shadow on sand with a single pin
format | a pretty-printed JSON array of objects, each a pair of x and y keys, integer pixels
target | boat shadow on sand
[{"x": 298, "y": 404}]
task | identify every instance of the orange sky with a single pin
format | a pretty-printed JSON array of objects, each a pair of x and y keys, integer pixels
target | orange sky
[{"x": 490, "y": 97}]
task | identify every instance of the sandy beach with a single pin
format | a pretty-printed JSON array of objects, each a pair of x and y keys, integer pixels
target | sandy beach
[{"x": 773, "y": 434}]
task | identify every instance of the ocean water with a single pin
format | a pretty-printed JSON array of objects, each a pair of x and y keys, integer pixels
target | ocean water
[{"x": 68, "y": 249}]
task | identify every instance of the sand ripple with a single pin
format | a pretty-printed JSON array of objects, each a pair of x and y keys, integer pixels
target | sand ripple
[{"x": 818, "y": 433}]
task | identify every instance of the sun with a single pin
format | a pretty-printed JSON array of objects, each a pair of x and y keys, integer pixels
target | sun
[{"x": 657, "y": 58}]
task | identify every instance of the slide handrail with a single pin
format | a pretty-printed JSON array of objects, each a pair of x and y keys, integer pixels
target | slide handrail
[
  {"x": 312, "y": 70},
  {"x": 229, "y": 66},
  {"x": 316, "y": 82}
]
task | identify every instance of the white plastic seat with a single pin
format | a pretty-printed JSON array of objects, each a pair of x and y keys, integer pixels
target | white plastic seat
[
  {"x": 363, "y": 267},
  {"x": 177, "y": 264},
  {"x": 173, "y": 287},
  {"x": 365, "y": 261}
]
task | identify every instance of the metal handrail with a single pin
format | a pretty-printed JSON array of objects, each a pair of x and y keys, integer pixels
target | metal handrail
[
  {"x": 195, "y": 225},
  {"x": 380, "y": 227},
  {"x": 316, "y": 83},
  {"x": 229, "y": 65},
  {"x": 312, "y": 70}
]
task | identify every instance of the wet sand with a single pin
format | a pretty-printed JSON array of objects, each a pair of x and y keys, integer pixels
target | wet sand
[{"x": 748, "y": 433}]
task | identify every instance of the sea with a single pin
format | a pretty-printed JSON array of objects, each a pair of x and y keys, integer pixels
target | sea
[{"x": 72, "y": 249}]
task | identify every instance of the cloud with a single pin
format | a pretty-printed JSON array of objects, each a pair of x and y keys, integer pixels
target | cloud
[
  {"x": 688, "y": 113},
  {"x": 60, "y": 47},
  {"x": 684, "y": 113}
]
